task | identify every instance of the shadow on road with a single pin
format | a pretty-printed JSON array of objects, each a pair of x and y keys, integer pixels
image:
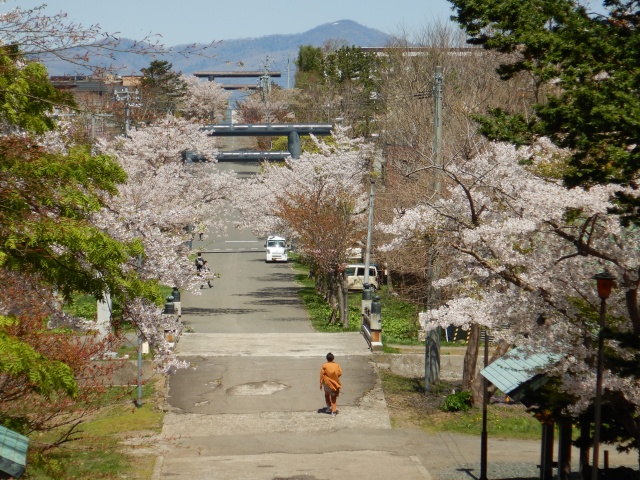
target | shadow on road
[
  {"x": 282, "y": 292},
  {"x": 277, "y": 301},
  {"x": 202, "y": 312},
  {"x": 277, "y": 277}
]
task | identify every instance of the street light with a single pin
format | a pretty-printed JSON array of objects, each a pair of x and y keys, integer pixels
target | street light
[{"x": 605, "y": 283}]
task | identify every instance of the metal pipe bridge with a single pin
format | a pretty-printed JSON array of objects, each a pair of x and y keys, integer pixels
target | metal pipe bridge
[{"x": 291, "y": 131}]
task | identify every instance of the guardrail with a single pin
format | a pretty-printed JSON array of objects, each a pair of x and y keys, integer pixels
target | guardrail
[{"x": 365, "y": 328}]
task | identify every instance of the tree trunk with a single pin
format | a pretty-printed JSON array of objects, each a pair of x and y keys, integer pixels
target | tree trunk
[
  {"x": 344, "y": 317},
  {"x": 477, "y": 391},
  {"x": 585, "y": 434},
  {"x": 387, "y": 277},
  {"x": 470, "y": 366},
  {"x": 476, "y": 384},
  {"x": 333, "y": 317},
  {"x": 345, "y": 297},
  {"x": 333, "y": 302},
  {"x": 564, "y": 449}
]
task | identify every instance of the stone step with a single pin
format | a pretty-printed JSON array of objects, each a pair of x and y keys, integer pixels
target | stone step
[{"x": 272, "y": 344}]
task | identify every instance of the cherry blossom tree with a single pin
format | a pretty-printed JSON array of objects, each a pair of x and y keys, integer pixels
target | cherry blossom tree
[
  {"x": 62, "y": 211},
  {"x": 522, "y": 251},
  {"x": 266, "y": 107},
  {"x": 320, "y": 201},
  {"x": 204, "y": 100},
  {"x": 162, "y": 195},
  {"x": 50, "y": 250},
  {"x": 470, "y": 86},
  {"x": 272, "y": 106}
]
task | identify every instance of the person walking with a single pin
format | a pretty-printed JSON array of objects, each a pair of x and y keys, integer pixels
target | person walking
[
  {"x": 199, "y": 262},
  {"x": 200, "y": 229},
  {"x": 330, "y": 374}
]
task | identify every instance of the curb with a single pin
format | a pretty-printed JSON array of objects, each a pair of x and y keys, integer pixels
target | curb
[{"x": 157, "y": 468}]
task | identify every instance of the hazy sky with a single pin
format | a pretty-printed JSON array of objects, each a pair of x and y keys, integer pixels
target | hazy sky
[{"x": 188, "y": 21}]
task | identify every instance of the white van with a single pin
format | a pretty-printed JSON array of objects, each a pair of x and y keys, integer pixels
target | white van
[
  {"x": 355, "y": 276},
  {"x": 276, "y": 249}
]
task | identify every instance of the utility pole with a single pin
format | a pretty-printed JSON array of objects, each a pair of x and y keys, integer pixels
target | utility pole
[
  {"x": 367, "y": 254},
  {"x": 370, "y": 315},
  {"x": 437, "y": 125},
  {"x": 265, "y": 79},
  {"x": 265, "y": 88},
  {"x": 141, "y": 345},
  {"x": 131, "y": 100},
  {"x": 432, "y": 337}
]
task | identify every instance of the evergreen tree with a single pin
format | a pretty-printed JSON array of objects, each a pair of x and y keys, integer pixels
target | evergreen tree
[
  {"x": 340, "y": 82},
  {"x": 586, "y": 75},
  {"x": 310, "y": 65},
  {"x": 162, "y": 88}
]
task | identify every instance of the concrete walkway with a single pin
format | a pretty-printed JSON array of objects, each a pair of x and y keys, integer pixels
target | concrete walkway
[{"x": 249, "y": 411}]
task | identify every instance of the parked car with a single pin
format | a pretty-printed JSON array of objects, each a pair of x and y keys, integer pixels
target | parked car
[
  {"x": 276, "y": 249},
  {"x": 355, "y": 276}
]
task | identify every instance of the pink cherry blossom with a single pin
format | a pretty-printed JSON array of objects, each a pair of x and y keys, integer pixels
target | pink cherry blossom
[{"x": 519, "y": 246}]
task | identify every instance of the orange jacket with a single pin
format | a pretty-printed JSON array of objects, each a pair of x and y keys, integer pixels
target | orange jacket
[{"x": 330, "y": 375}]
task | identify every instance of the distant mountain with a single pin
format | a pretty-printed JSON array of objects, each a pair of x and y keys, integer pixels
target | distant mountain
[{"x": 250, "y": 53}]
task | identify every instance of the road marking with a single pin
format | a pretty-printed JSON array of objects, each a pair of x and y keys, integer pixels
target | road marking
[{"x": 425, "y": 473}]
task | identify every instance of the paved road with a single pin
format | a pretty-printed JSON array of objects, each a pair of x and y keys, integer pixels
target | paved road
[{"x": 249, "y": 410}]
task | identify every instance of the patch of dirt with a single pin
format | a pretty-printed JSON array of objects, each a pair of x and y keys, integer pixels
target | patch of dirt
[
  {"x": 257, "y": 388},
  {"x": 408, "y": 404}
]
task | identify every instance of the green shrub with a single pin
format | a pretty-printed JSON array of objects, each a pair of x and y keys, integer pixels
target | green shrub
[
  {"x": 399, "y": 320},
  {"x": 457, "y": 402},
  {"x": 399, "y": 330}
]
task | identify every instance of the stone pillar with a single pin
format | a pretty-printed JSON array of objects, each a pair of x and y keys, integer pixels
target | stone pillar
[
  {"x": 294, "y": 144},
  {"x": 375, "y": 322},
  {"x": 177, "y": 304},
  {"x": 104, "y": 316}
]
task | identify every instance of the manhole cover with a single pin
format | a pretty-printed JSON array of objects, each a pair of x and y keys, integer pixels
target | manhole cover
[{"x": 256, "y": 388}]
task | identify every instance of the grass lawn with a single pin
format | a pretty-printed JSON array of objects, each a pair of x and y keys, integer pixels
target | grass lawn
[
  {"x": 410, "y": 407},
  {"x": 85, "y": 306}
]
